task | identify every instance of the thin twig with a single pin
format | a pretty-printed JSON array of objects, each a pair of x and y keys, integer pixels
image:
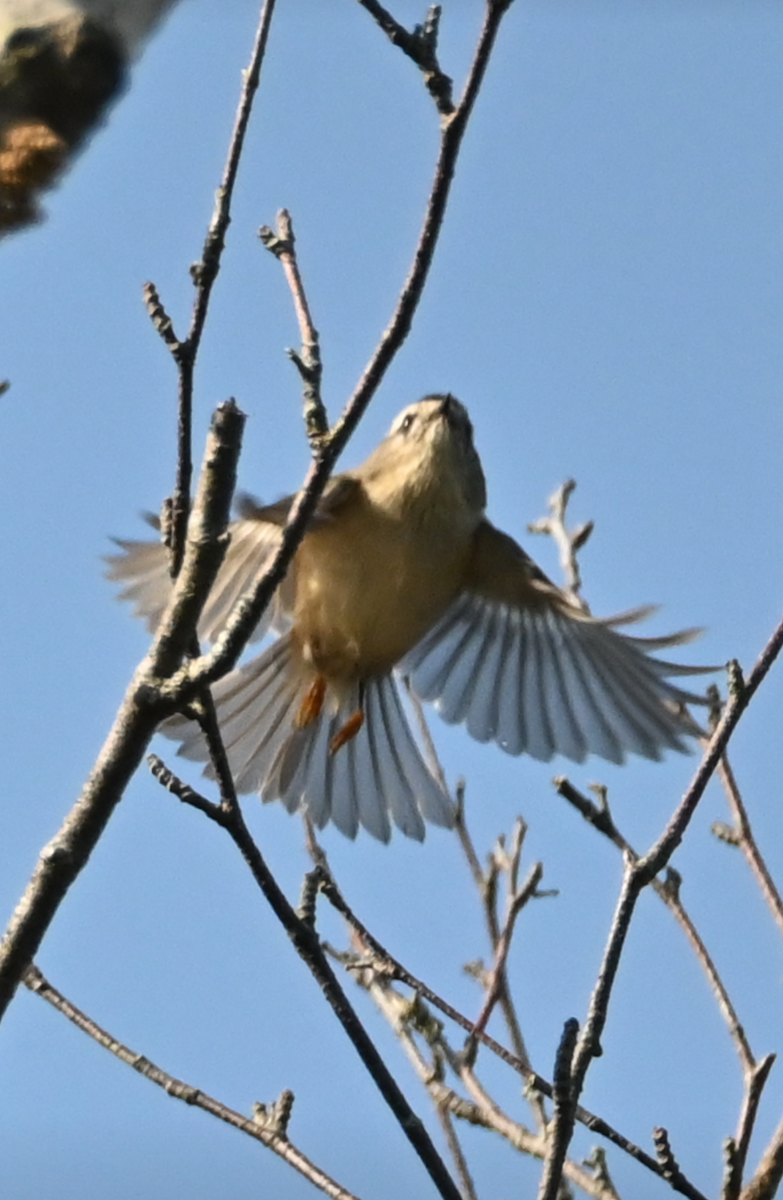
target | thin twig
[
  {"x": 456, "y": 1152},
  {"x": 559, "y": 1132},
  {"x": 755, "y": 1074},
  {"x": 208, "y": 723},
  {"x": 596, "y": 1161},
  {"x": 162, "y": 322},
  {"x": 671, "y": 1168},
  {"x": 273, "y": 1135},
  {"x": 732, "y": 1171},
  {"x": 308, "y": 362},
  {"x": 523, "y": 1139},
  {"x": 496, "y": 977},
  {"x": 640, "y": 873},
  {"x": 204, "y": 273},
  {"x": 391, "y": 968},
  {"x": 183, "y": 791},
  {"x": 754, "y": 1086},
  {"x": 386, "y": 966},
  {"x": 743, "y": 837},
  {"x": 568, "y": 543},
  {"x": 600, "y": 817},
  {"x": 488, "y": 895},
  {"x": 769, "y": 1173},
  {"x": 421, "y": 46},
  {"x": 493, "y": 1116},
  {"x": 409, "y": 1018},
  {"x": 306, "y": 942},
  {"x": 406, "y": 1017},
  {"x": 466, "y": 841}
]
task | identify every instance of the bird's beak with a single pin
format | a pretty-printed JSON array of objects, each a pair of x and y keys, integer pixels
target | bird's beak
[{"x": 447, "y": 407}]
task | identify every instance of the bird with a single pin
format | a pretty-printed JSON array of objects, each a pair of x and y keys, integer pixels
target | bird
[{"x": 402, "y": 579}]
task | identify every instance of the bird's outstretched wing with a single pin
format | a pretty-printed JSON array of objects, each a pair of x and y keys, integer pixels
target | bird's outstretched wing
[
  {"x": 143, "y": 570},
  {"x": 522, "y": 666},
  {"x": 142, "y": 567}
]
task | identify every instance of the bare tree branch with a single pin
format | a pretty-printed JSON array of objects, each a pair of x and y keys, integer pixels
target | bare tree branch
[
  {"x": 639, "y": 873},
  {"x": 385, "y": 966},
  {"x": 559, "y": 1132},
  {"x": 456, "y": 1152},
  {"x": 204, "y": 273},
  {"x": 422, "y": 47},
  {"x": 487, "y": 890},
  {"x": 308, "y": 362},
  {"x": 741, "y": 835},
  {"x": 155, "y": 692},
  {"x": 568, "y": 544},
  {"x": 497, "y": 975},
  {"x": 143, "y": 707},
  {"x": 769, "y": 1173},
  {"x": 755, "y": 1073},
  {"x": 755, "y": 1082},
  {"x": 600, "y": 817},
  {"x": 413, "y": 1024},
  {"x": 202, "y": 548},
  {"x": 669, "y": 1165},
  {"x": 273, "y": 1135},
  {"x": 301, "y": 931}
]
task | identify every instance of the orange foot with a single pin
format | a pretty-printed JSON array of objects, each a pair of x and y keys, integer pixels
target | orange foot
[
  {"x": 312, "y": 704},
  {"x": 348, "y": 731}
]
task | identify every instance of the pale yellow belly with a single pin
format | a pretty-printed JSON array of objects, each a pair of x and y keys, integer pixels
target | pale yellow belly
[{"x": 368, "y": 587}]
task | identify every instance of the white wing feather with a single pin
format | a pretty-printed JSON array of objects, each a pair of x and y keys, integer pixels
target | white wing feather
[
  {"x": 376, "y": 778},
  {"x": 544, "y": 681},
  {"x": 143, "y": 567}
]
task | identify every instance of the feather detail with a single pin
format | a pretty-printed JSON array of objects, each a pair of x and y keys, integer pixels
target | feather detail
[
  {"x": 547, "y": 679},
  {"x": 143, "y": 569},
  {"x": 377, "y": 778}
]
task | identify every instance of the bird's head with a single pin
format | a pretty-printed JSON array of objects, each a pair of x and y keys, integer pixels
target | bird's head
[{"x": 428, "y": 457}]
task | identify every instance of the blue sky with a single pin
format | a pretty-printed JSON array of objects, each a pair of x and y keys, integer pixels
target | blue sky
[{"x": 607, "y": 301}]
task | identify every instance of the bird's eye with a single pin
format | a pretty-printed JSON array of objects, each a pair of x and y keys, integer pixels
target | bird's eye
[{"x": 407, "y": 422}]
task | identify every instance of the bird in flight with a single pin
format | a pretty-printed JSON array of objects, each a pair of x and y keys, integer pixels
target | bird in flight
[{"x": 400, "y": 574}]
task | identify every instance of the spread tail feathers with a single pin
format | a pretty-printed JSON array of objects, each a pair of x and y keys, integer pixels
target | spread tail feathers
[{"x": 377, "y": 776}]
